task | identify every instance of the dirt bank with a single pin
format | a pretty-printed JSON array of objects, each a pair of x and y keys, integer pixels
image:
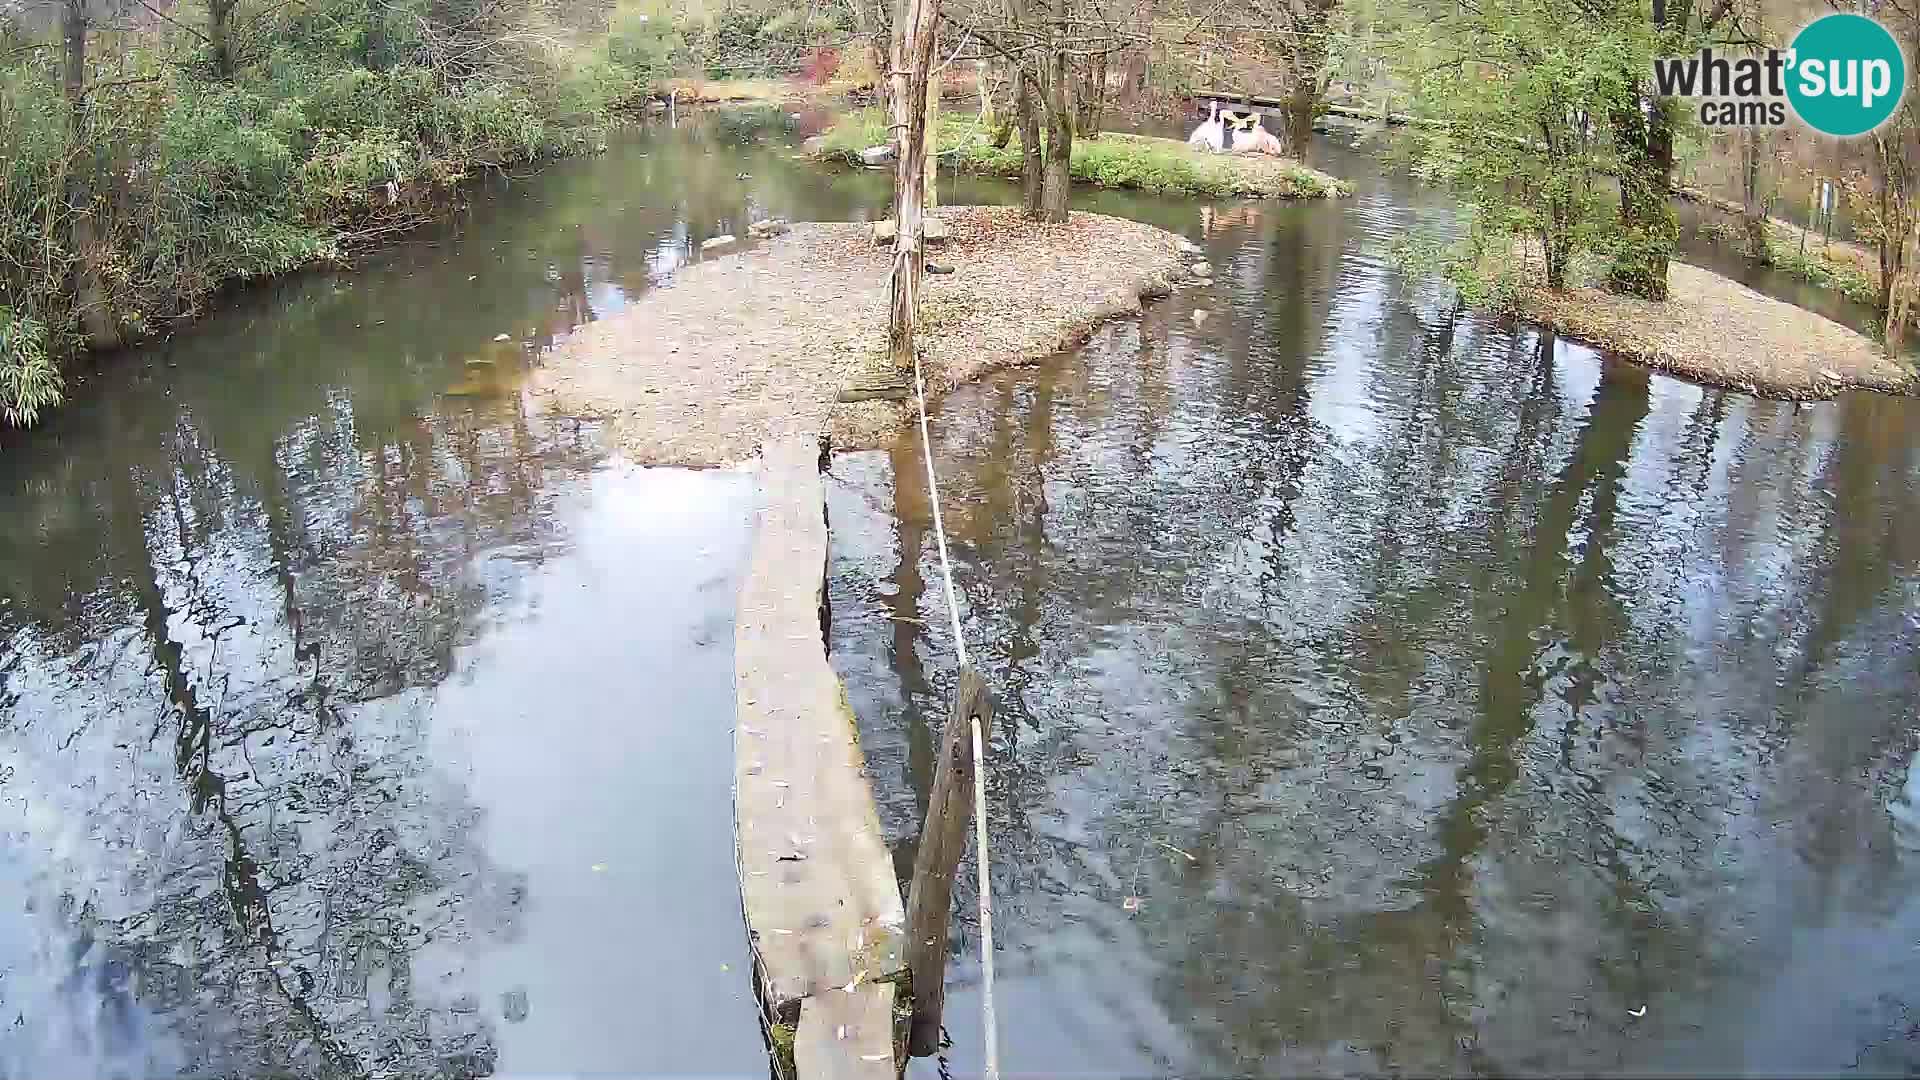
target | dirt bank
[
  {"x": 745, "y": 346},
  {"x": 1715, "y": 330}
]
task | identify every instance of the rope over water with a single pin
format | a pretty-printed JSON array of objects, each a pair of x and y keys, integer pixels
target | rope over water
[{"x": 987, "y": 1021}]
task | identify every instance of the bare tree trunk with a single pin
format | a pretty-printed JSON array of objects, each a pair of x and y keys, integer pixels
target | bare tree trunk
[
  {"x": 913, "y": 46},
  {"x": 896, "y": 80},
  {"x": 1093, "y": 98},
  {"x": 1032, "y": 171},
  {"x": 1057, "y": 177},
  {"x": 1901, "y": 289},
  {"x": 1899, "y": 232},
  {"x": 1753, "y": 209},
  {"x": 89, "y": 293},
  {"x": 996, "y": 113}
]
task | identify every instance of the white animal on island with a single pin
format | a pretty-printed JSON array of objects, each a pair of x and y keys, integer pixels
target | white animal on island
[
  {"x": 1250, "y": 138},
  {"x": 1212, "y": 134}
]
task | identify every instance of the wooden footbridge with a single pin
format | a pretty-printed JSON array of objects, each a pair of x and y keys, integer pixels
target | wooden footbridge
[
  {"x": 823, "y": 911},
  {"x": 834, "y": 950}
]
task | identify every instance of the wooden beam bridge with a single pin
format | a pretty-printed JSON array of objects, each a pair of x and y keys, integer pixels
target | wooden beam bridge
[{"x": 823, "y": 911}]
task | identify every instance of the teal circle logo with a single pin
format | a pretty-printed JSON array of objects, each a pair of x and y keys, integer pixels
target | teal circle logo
[{"x": 1846, "y": 74}]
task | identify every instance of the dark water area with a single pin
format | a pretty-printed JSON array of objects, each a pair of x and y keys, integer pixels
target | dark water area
[{"x": 1439, "y": 692}]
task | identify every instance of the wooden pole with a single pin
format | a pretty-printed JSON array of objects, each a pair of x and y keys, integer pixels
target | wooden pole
[{"x": 943, "y": 842}]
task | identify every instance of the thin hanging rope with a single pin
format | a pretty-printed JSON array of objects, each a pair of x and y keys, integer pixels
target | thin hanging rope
[
  {"x": 987, "y": 1020},
  {"x": 933, "y": 495}
]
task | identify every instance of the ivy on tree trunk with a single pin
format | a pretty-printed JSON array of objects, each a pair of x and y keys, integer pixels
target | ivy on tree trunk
[{"x": 1643, "y": 129}]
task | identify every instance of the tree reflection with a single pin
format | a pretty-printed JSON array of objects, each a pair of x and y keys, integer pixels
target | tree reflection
[
  {"x": 1408, "y": 670},
  {"x": 250, "y": 744}
]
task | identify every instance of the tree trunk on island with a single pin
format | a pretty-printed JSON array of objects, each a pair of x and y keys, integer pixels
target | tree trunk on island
[
  {"x": 1057, "y": 176},
  {"x": 1753, "y": 208},
  {"x": 1644, "y": 130},
  {"x": 1000, "y": 126},
  {"x": 1093, "y": 98},
  {"x": 913, "y": 45},
  {"x": 1032, "y": 170},
  {"x": 1305, "y": 25},
  {"x": 1900, "y": 290}
]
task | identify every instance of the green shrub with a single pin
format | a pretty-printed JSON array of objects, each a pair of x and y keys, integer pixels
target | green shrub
[
  {"x": 29, "y": 376},
  {"x": 339, "y": 114}
]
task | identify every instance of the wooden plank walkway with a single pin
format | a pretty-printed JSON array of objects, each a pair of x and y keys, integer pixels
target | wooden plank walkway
[{"x": 823, "y": 910}]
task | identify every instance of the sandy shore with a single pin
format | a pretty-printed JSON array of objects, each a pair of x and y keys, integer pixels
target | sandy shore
[
  {"x": 757, "y": 343},
  {"x": 1715, "y": 330}
]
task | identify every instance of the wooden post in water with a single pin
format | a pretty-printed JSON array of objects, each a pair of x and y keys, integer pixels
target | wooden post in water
[{"x": 943, "y": 841}]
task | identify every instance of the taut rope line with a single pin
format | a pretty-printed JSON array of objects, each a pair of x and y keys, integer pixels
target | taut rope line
[{"x": 987, "y": 1020}]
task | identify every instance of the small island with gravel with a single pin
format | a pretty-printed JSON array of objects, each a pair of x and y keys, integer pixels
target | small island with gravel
[
  {"x": 1714, "y": 330},
  {"x": 759, "y": 341}
]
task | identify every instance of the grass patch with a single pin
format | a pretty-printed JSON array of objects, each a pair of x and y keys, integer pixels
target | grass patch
[
  {"x": 1138, "y": 162},
  {"x": 1828, "y": 272}
]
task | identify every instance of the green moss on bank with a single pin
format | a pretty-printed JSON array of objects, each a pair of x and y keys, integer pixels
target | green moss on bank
[{"x": 1139, "y": 162}]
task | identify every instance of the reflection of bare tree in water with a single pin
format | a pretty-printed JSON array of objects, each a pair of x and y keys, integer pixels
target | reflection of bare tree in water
[{"x": 294, "y": 604}]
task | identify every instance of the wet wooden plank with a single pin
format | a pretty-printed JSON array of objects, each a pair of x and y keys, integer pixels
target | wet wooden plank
[
  {"x": 816, "y": 881},
  {"x": 846, "y": 1036}
]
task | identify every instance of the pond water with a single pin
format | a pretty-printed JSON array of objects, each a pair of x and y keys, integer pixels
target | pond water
[{"x": 1440, "y": 694}]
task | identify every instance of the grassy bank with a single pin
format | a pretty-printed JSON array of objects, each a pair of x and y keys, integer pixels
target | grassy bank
[
  {"x": 1849, "y": 268},
  {"x": 211, "y": 143},
  {"x": 1161, "y": 166},
  {"x": 318, "y": 129}
]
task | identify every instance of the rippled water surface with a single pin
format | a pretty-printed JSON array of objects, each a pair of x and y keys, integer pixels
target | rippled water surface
[
  {"x": 1440, "y": 695},
  {"x": 1384, "y": 688}
]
